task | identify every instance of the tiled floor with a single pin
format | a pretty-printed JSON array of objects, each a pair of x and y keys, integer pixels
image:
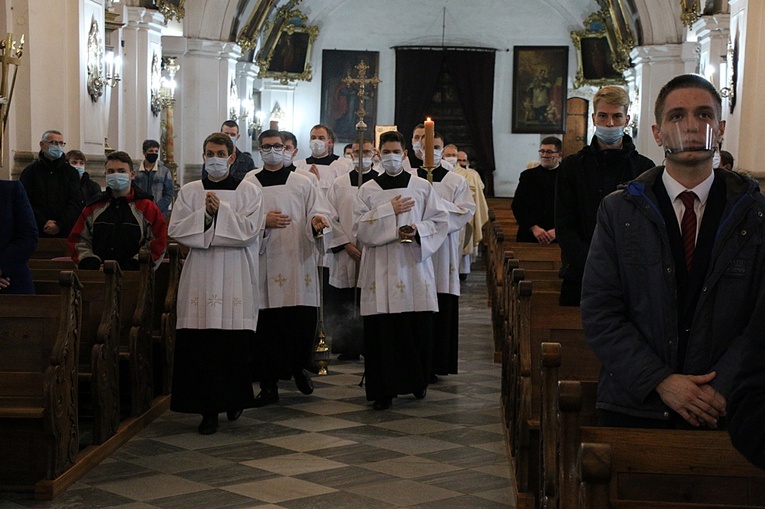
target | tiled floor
[{"x": 326, "y": 450}]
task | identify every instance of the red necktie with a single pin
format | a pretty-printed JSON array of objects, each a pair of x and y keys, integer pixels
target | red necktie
[{"x": 688, "y": 226}]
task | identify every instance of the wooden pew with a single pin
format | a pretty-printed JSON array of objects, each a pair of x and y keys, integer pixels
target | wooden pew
[
  {"x": 638, "y": 468},
  {"x": 49, "y": 248},
  {"x": 39, "y": 338},
  {"x": 167, "y": 278},
  {"x": 99, "y": 342},
  {"x": 536, "y": 256}
]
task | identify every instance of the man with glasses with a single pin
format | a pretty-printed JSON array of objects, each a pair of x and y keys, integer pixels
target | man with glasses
[
  {"x": 53, "y": 188},
  {"x": 534, "y": 201},
  {"x": 295, "y": 215},
  {"x": 586, "y": 177}
]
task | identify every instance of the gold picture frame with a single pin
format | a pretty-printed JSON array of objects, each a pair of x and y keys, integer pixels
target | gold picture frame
[
  {"x": 171, "y": 9},
  {"x": 248, "y": 36},
  {"x": 286, "y": 52},
  {"x": 598, "y": 62}
]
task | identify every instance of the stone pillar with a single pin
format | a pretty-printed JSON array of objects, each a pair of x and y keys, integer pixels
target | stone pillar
[
  {"x": 246, "y": 74},
  {"x": 207, "y": 69},
  {"x": 654, "y": 67},
  {"x": 142, "y": 45}
]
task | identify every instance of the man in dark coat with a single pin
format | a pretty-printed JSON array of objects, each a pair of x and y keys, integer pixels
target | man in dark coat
[
  {"x": 18, "y": 239},
  {"x": 587, "y": 177},
  {"x": 534, "y": 201},
  {"x": 53, "y": 188}
]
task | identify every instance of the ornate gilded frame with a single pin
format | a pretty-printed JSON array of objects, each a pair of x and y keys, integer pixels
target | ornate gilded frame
[
  {"x": 598, "y": 62},
  {"x": 619, "y": 31},
  {"x": 248, "y": 36},
  {"x": 171, "y": 9},
  {"x": 289, "y": 26},
  {"x": 95, "y": 83}
]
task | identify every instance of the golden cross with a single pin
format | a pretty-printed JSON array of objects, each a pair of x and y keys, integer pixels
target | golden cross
[
  {"x": 373, "y": 287},
  {"x": 400, "y": 286},
  {"x": 308, "y": 280},
  {"x": 280, "y": 280},
  {"x": 362, "y": 81},
  {"x": 214, "y": 301}
]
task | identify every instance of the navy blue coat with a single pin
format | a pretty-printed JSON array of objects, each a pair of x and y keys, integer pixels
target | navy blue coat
[{"x": 18, "y": 237}]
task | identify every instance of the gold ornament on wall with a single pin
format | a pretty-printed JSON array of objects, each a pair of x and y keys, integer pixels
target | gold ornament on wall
[{"x": 95, "y": 82}]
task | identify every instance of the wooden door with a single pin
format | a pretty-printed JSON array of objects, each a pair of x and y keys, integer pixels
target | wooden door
[{"x": 575, "y": 137}]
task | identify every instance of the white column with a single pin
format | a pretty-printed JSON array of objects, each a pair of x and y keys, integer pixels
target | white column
[
  {"x": 744, "y": 124},
  {"x": 246, "y": 73},
  {"x": 142, "y": 37},
  {"x": 207, "y": 69},
  {"x": 654, "y": 67}
]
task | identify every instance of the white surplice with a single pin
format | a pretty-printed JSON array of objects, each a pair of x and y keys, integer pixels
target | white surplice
[
  {"x": 341, "y": 196},
  {"x": 327, "y": 173},
  {"x": 289, "y": 256},
  {"x": 218, "y": 287},
  {"x": 458, "y": 201},
  {"x": 396, "y": 277}
]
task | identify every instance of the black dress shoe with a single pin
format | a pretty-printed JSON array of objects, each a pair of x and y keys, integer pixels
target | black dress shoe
[
  {"x": 209, "y": 424},
  {"x": 303, "y": 381},
  {"x": 266, "y": 396},
  {"x": 421, "y": 394},
  {"x": 233, "y": 415},
  {"x": 382, "y": 404}
]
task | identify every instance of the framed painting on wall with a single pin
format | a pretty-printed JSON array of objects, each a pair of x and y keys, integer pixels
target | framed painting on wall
[
  {"x": 340, "y": 101},
  {"x": 540, "y": 82},
  {"x": 286, "y": 52}
]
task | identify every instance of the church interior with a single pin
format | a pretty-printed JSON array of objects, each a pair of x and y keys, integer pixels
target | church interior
[{"x": 110, "y": 74}]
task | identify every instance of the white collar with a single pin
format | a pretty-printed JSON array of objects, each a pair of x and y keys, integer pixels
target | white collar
[{"x": 674, "y": 188}]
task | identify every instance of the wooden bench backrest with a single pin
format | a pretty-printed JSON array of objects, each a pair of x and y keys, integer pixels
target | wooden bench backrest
[{"x": 48, "y": 248}]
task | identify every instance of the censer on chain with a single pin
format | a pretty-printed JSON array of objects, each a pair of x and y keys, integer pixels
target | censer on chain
[{"x": 321, "y": 349}]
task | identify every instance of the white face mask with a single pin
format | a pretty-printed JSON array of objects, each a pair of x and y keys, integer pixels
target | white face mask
[
  {"x": 391, "y": 163},
  {"x": 80, "y": 169},
  {"x": 287, "y": 158},
  {"x": 716, "y": 160},
  {"x": 366, "y": 162},
  {"x": 118, "y": 182},
  {"x": 451, "y": 160},
  {"x": 437, "y": 156},
  {"x": 216, "y": 167},
  {"x": 318, "y": 147},
  {"x": 273, "y": 157},
  {"x": 417, "y": 146}
]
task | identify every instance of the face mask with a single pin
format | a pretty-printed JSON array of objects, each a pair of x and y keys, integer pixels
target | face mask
[
  {"x": 609, "y": 135},
  {"x": 273, "y": 157},
  {"x": 152, "y": 158},
  {"x": 54, "y": 151},
  {"x": 233, "y": 140},
  {"x": 366, "y": 162},
  {"x": 451, "y": 160},
  {"x": 391, "y": 163},
  {"x": 417, "y": 147},
  {"x": 716, "y": 160},
  {"x": 348, "y": 156},
  {"x": 118, "y": 181},
  {"x": 216, "y": 166},
  {"x": 287, "y": 158},
  {"x": 437, "y": 156},
  {"x": 80, "y": 169},
  {"x": 318, "y": 147}
]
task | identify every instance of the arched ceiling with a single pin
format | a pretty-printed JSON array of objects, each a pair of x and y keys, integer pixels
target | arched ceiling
[{"x": 466, "y": 21}]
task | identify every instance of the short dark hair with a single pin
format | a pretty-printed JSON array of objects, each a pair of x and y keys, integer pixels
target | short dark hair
[
  {"x": 419, "y": 126},
  {"x": 438, "y": 135},
  {"x": 356, "y": 141},
  {"x": 270, "y": 133},
  {"x": 350, "y": 145},
  {"x": 147, "y": 144},
  {"x": 726, "y": 158},
  {"x": 219, "y": 139},
  {"x": 120, "y": 156},
  {"x": 686, "y": 81},
  {"x": 230, "y": 123},
  {"x": 392, "y": 136},
  {"x": 330, "y": 132},
  {"x": 552, "y": 140},
  {"x": 76, "y": 154},
  {"x": 288, "y": 136}
]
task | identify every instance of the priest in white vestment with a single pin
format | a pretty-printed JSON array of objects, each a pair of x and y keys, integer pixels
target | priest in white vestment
[
  {"x": 397, "y": 282},
  {"x": 289, "y": 291},
  {"x": 221, "y": 220},
  {"x": 454, "y": 191},
  {"x": 341, "y": 301},
  {"x": 474, "y": 234}
]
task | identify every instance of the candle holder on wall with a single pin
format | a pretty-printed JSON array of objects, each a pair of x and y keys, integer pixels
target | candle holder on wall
[{"x": 10, "y": 55}]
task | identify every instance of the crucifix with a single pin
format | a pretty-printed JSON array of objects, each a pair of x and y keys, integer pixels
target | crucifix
[{"x": 362, "y": 80}]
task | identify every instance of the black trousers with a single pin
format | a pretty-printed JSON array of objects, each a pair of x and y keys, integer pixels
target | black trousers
[{"x": 283, "y": 343}]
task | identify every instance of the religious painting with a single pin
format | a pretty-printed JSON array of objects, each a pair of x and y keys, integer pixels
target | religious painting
[
  {"x": 248, "y": 37},
  {"x": 540, "y": 82},
  {"x": 598, "y": 61},
  {"x": 286, "y": 52},
  {"x": 340, "y": 100}
]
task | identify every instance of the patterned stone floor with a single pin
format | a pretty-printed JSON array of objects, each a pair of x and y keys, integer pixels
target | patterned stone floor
[{"x": 328, "y": 450}]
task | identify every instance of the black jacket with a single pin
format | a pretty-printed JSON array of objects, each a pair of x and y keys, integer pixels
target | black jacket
[
  {"x": 584, "y": 179},
  {"x": 53, "y": 188},
  {"x": 89, "y": 189},
  {"x": 534, "y": 201}
]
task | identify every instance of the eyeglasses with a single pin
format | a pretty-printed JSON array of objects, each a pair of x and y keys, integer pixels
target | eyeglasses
[
  {"x": 548, "y": 152},
  {"x": 56, "y": 143},
  {"x": 277, "y": 146}
]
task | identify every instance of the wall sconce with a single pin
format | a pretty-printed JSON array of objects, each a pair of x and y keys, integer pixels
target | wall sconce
[
  {"x": 256, "y": 126},
  {"x": 10, "y": 55},
  {"x": 168, "y": 83},
  {"x": 691, "y": 11},
  {"x": 112, "y": 66}
]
